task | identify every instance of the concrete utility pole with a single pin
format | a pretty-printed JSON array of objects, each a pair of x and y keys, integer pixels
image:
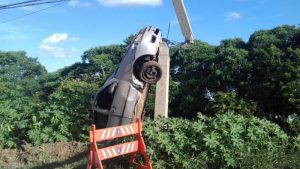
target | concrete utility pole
[
  {"x": 183, "y": 20},
  {"x": 162, "y": 86}
]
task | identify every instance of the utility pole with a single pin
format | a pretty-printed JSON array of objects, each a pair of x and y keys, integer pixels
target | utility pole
[{"x": 162, "y": 86}]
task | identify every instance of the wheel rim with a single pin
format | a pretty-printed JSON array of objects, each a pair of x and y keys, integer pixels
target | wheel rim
[{"x": 150, "y": 73}]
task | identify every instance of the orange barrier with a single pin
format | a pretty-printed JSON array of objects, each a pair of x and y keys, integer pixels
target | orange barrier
[{"x": 134, "y": 147}]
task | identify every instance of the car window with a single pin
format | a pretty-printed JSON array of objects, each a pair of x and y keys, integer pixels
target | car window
[{"x": 105, "y": 97}]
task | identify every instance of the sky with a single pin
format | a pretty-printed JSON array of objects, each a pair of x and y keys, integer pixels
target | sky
[{"x": 59, "y": 35}]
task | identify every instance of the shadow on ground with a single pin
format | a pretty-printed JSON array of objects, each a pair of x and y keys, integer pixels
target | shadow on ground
[{"x": 78, "y": 161}]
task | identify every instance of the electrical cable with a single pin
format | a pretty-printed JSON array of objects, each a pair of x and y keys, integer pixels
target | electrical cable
[
  {"x": 28, "y": 4},
  {"x": 19, "y": 3},
  {"x": 31, "y": 13}
]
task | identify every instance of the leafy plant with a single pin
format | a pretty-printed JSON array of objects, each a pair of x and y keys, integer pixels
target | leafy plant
[{"x": 226, "y": 141}]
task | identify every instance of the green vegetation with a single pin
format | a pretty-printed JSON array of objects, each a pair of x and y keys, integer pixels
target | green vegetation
[
  {"x": 235, "y": 105},
  {"x": 224, "y": 141}
]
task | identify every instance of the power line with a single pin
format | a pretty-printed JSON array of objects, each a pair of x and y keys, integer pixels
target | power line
[
  {"x": 31, "y": 13},
  {"x": 19, "y": 3},
  {"x": 29, "y": 3}
]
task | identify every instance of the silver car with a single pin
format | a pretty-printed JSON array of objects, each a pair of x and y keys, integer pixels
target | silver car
[{"x": 115, "y": 101}]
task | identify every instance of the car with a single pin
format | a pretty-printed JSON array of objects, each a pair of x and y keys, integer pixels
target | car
[{"x": 115, "y": 101}]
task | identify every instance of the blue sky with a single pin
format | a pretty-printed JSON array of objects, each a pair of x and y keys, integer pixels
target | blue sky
[{"x": 58, "y": 36}]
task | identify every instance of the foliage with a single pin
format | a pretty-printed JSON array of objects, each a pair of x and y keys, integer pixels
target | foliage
[
  {"x": 264, "y": 71},
  {"x": 228, "y": 102},
  {"x": 188, "y": 65},
  {"x": 67, "y": 114},
  {"x": 97, "y": 64},
  {"x": 74, "y": 98},
  {"x": 48, "y": 82},
  {"x": 274, "y": 78},
  {"x": 17, "y": 66},
  {"x": 37, "y": 107},
  {"x": 115, "y": 53},
  {"x": 15, "y": 115},
  {"x": 248, "y": 94},
  {"x": 19, "y": 95},
  {"x": 129, "y": 39},
  {"x": 225, "y": 141},
  {"x": 231, "y": 66}
]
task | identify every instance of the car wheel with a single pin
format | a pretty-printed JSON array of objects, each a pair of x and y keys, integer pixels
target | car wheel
[{"x": 150, "y": 72}]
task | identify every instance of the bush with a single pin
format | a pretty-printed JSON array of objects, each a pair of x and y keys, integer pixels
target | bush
[
  {"x": 225, "y": 141},
  {"x": 16, "y": 111},
  {"x": 67, "y": 115}
]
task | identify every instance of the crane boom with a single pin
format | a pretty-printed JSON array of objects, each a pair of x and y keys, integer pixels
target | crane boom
[{"x": 183, "y": 21}]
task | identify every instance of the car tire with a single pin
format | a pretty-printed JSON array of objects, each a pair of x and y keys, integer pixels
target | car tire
[{"x": 150, "y": 72}]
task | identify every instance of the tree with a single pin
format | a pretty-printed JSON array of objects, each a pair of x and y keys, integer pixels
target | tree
[
  {"x": 231, "y": 66},
  {"x": 190, "y": 67},
  {"x": 97, "y": 64},
  {"x": 229, "y": 102},
  {"x": 19, "y": 95},
  {"x": 18, "y": 66},
  {"x": 275, "y": 57},
  {"x": 115, "y": 53},
  {"x": 202, "y": 69},
  {"x": 129, "y": 39},
  {"x": 18, "y": 69}
]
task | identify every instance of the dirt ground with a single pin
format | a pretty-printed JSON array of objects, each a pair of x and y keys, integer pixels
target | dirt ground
[{"x": 63, "y": 155}]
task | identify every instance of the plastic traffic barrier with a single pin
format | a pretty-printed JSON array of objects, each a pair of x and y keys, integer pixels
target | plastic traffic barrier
[{"x": 130, "y": 148}]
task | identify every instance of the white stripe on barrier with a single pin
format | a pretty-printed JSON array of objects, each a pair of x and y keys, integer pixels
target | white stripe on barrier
[
  {"x": 128, "y": 147},
  {"x": 114, "y": 151},
  {"x": 132, "y": 131},
  {"x": 123, "y": 148},
  {"x": 109, "y": 153},
  {"x": 123, "y": 132},
  {"x": 113, "y": 133},
  {"x": 107, "y": 135},
  {"x": 103, "y": 153},
  {"x": 103, "y": 134},
  {"x": 132, "y": 147},
  {"x": 127, "y": 130}
]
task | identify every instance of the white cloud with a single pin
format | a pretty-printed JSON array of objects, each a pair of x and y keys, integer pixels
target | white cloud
[
  {"x": 113, "y": 3},
  {"x": 231, "y": 16},
  {"x": 54, "y": 51},
  {"x": 79, "y": 3},
  {"x": 52, "y": 46},
  {"x": 56, "y": 38}
]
